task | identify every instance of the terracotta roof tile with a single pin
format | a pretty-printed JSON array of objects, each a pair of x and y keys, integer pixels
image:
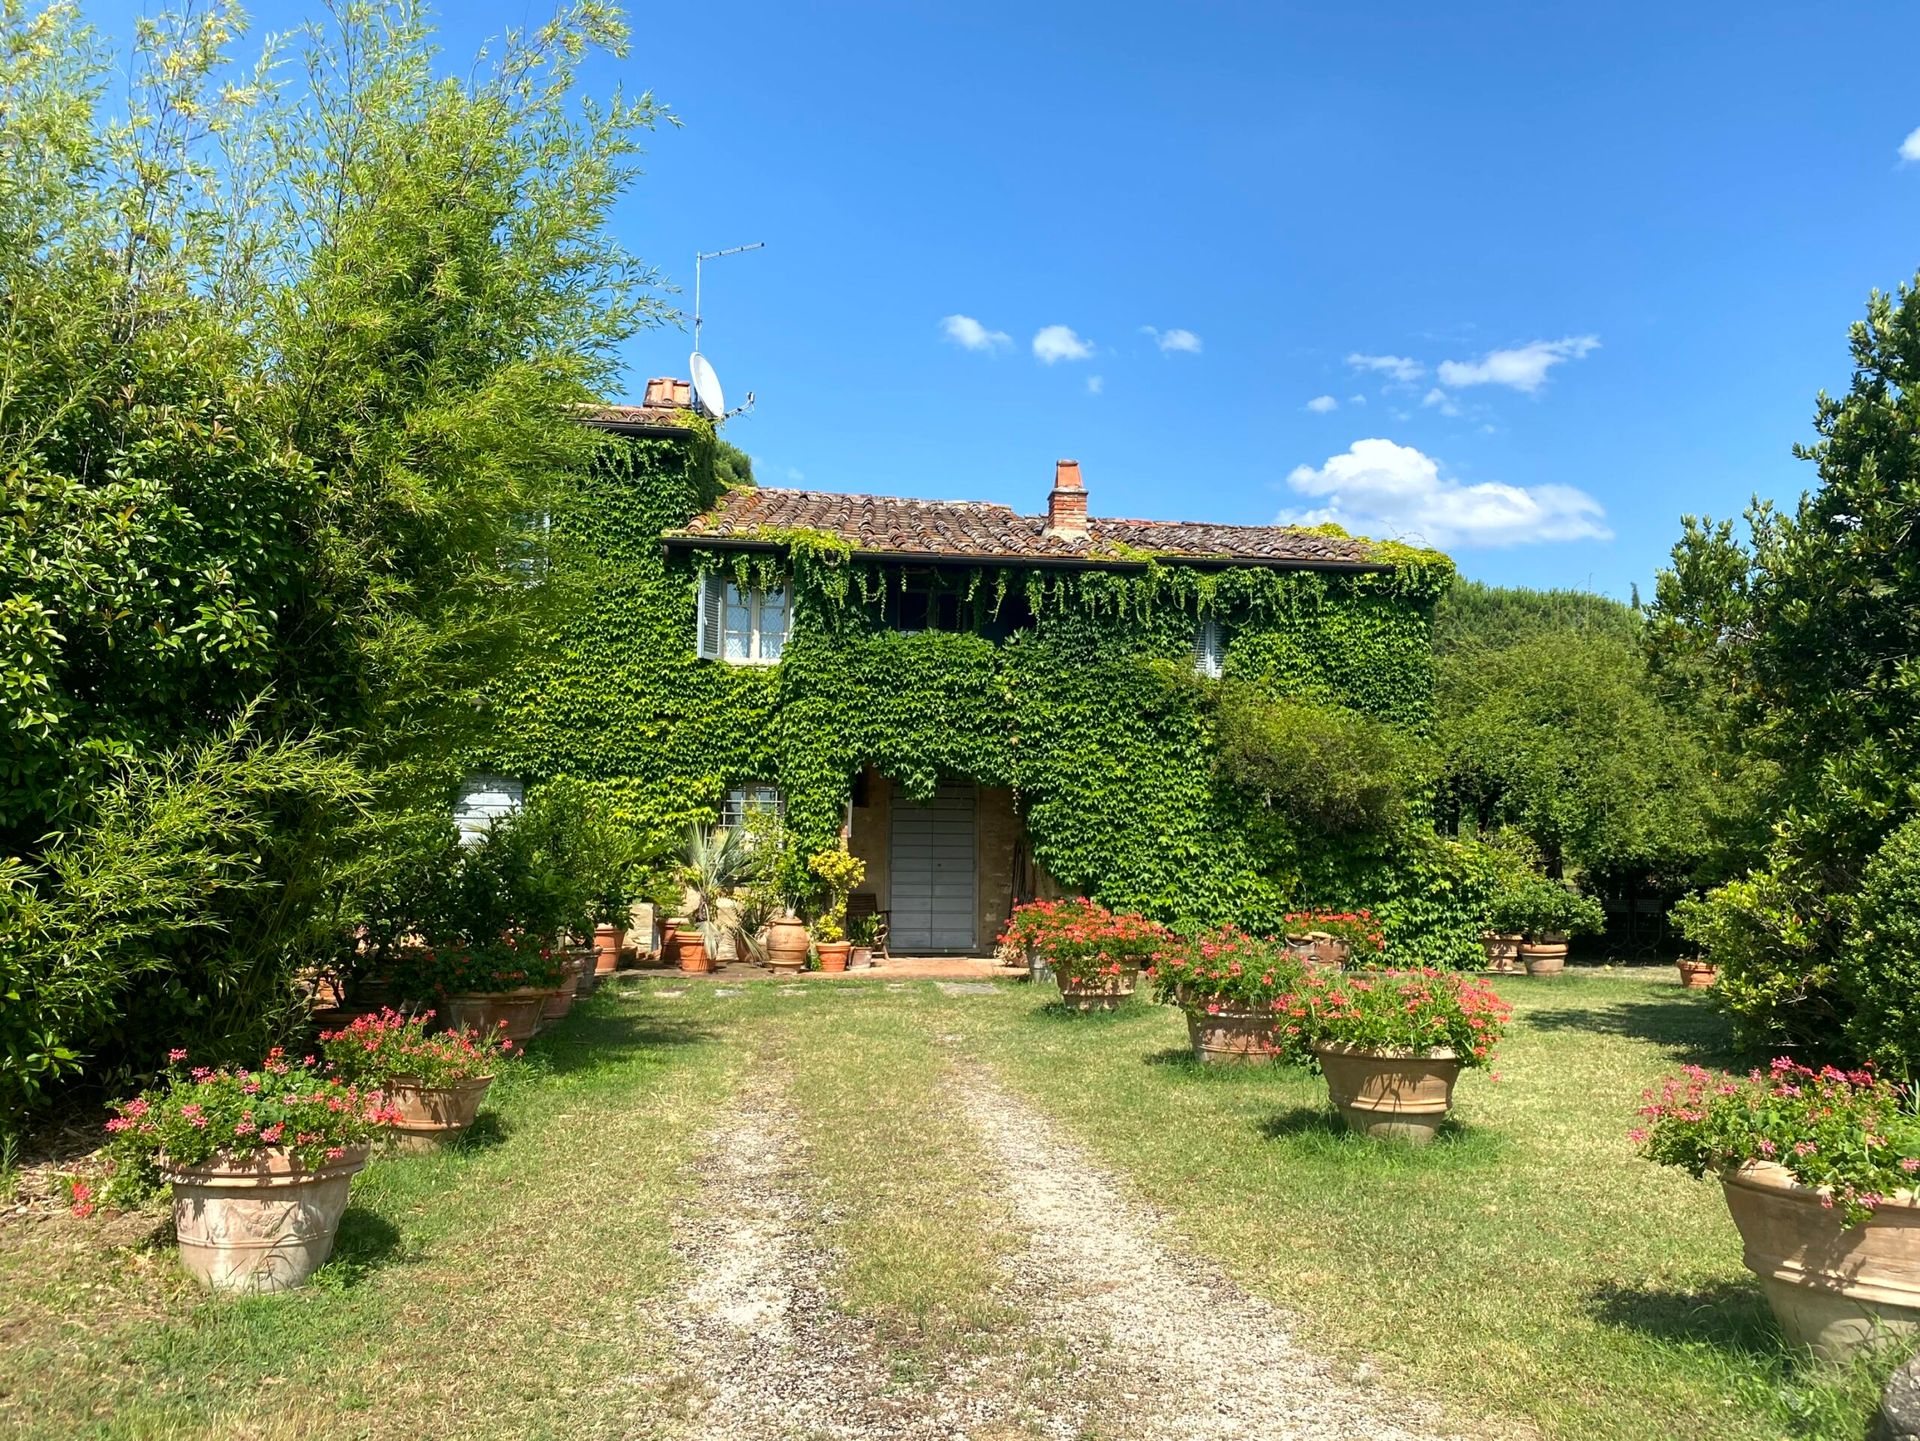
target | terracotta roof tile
[
  {"x": 977, "y": 530},
  {"x": 664, "y": 400}
]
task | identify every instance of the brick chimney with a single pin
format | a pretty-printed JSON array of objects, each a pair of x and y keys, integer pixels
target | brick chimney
[{"x": 1067, "y": 503}]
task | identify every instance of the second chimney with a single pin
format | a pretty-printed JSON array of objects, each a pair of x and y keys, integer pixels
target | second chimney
[{"x": 1067, "y": 503}]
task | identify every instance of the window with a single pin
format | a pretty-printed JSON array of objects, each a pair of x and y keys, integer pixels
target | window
[
  {"x": 741, "y": 627},
  {"x": 753, "y": 798},
  {"x": 1209, "y": 648}
]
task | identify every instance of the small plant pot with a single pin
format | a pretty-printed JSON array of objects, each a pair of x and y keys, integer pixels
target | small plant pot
[
  {"x": 1095, "y": 993},
  {"x": 833, "y": 954},
  {"x": 669, "y": 941},
  {"x": 586, "y": 972},
  {"x": 1546, "y": 956},
  {"x": 787, "y": 944},
  {"x": 1503, "y": 952},
  {"x": 691, "y": 949},
  {"x": 259, "y": 1223},
  {"x": 860, "y": 958},
  {"x": 1231, "y": 1038},
  {"x": 432, "y": 1114},
  {"x": 562, "y": 1001},
  {"x": 607, "y": 941},
  {"x": 1390, "y": 1095},
  {"x": 1697, "y": 975},
  {"x": 1318, "y": 951},
  {"x": 485, "y": 1011},
  {"x": 1833, "y": 1289}
]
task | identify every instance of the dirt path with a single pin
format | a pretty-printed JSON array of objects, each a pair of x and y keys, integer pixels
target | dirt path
[{"x": 1122, "y": 1337}]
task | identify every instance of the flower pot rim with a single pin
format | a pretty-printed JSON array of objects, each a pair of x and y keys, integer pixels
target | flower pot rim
[
  {"x": 268, "y": 1166},
  {"x": 518, "y": 993},
  {"x": 1384, "y": 1053},
  {"x": 1772, "y": 1176},
  {"x": 414, "y": 1083}
]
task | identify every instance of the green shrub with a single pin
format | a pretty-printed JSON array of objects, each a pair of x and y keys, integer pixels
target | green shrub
[
  {"x": 1326, "y": 766},
  {"x": 1777, "y": 977},
  {"x": 1879, "y": 972},
  {"x": 1541, "y": 906}
]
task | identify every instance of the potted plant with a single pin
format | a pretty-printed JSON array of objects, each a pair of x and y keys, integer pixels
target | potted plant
[
  {"x": 505, "y": 985},
  {"x": 1094, "y": 956},
  {"x": 432, "y": 1084},
  {"x": 1030, "y": 921},
  {"x": 1545, "y": 912},
  {"x": 1328, "y": 939},
  {"x": 1697, "y": 974},
  {"x": 260, "y": 1163},
  {"x": 1503, "y": 951},
  {"x": 1819, "y": 1170},
  {"x": 1391, "y": 1043},
  {"x": 719, "y": 859},
  {"x": 862, "y": 933},
  {"x": 1227, "y": 983},
  {"x": 839, "y": 871}
]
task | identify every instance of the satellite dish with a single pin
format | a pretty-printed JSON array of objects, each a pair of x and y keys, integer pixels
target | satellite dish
[{"x": 707, "y": 395}]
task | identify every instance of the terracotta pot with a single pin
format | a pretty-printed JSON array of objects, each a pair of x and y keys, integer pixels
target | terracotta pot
[
  {"x": 1226, "y": 1038},
  {"x": 586, "y": 973},
  {"x": 787, "y": 944},
  {"x": 607, "y": 941},
  {"x": 1503, "y": 952},
  {"x": 1390, "y": 1095},
  {"x": 1096, "y": 993},
  {"x": 1832, "y": 1288},
  {"x": 692, "y": 949},
  {"x": 860, "y": 958},
  {"x": 431, "y": 1114},
  {"x": 562, "y": 1000},
  {"x": 258, "y": 1223},
  {"x": 833, "y": 954},
  {"x": 1697, "y": 975},
  {"x": 669, "y": 940},
  {"x": 1317, "y": 951},
  {"x": 485, "y": 1010},
  {"x": 1544, "y": 957}
]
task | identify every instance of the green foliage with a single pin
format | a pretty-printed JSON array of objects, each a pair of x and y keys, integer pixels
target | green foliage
[
  {"x": 1879, "y": 974},
  {"x": 1328, "y": 768},
  {"x": 1392, "y": 1011},
  {"x": 1474, "y": 617},
  {"x": 1537, "y": 906},
  {"x": 1799, "y": 644},
  {"x": 840, "y": 872}
]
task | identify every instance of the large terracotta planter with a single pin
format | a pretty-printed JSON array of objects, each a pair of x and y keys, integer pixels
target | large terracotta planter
[
  {"x": 787, "y": 944},
  {"x": 1697, "y": 975},
  {"x": 692, "y": 949},
  {"x": 1096, "y": 993},
  {"x": 1227, "y": 1038},
  {"x": 1546, "y": 956},
  {"x": 1390, "y": 1095},
  {"x": 561, "y": 1001},
  {"x": 431, "y": 1114},
  {"x": 833, "y": 954},
  {"x": 258, "y": 1223},
  {"x": 485, "y": 1010},
  {"x": 1503, "y": 952},
  {"x": 607, "y": 941},
  {"x": 1832, "y": 1289}
]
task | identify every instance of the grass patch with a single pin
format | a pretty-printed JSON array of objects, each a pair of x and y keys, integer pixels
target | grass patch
[{"x": 1526, "y": 1263}]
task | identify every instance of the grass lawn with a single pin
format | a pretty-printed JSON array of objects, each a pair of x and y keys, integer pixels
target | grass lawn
[{"x": 1527, "y": 1267}]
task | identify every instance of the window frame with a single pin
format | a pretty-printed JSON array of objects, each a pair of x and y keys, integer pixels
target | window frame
[
  {"x": 714, "y": 597},
  {"x": 1210, "y": 648},
  {"x": 755, "y": 798}
]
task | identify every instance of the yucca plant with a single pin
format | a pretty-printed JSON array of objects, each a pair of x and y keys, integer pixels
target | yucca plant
[{"x": 719, "y": 861}]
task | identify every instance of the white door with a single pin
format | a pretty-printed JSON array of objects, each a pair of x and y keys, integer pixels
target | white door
[{"x": 932, "y": 860}]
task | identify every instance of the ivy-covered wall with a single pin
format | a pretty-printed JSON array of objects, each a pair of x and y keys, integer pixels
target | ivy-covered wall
[{"x": 1089, "y": 714}]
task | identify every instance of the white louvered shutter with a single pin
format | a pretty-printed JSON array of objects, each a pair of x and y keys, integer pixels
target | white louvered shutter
[
  {"x": 1207, "y": 648},
  {"x": 707, "y": 594}
]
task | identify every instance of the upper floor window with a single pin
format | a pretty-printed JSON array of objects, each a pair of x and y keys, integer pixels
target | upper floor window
[
  {"x": 1209, "y": 648},
  {"x": 742, "y": 625},
  {"x": 753, "y": 798}
]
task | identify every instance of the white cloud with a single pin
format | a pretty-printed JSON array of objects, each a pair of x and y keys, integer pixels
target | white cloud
[
  {"x": 1356, "y": 400},
  {"x": 1321, "y": 404},
  {"x": 1379, "y": 488},
  {"x": 969, "y": 334},
  {"x": 1173, "y": 340},
  {"x": 1438, "y": 399},
  {"x": 1395, "y": 367},
  {"x": 1096, "y": 384},
  {"x": 1058, "y": 342},
  {"x": 1524, "y": 367},
  {"x": 1910, "y": 147}
]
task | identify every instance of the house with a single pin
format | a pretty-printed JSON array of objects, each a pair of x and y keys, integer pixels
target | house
[{"x": 986, "y": 704}]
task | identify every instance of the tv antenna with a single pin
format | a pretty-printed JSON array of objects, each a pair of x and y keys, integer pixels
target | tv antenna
[{"x": 707, "y": 394}]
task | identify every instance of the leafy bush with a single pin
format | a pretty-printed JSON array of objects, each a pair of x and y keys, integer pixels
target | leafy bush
[
  {"x": 1223, "y": 970},
  {"x": 1326, "y": 766},
  {"x": 1416, "y": 1011},
  {"x": 1083, "y": 941},
  {"x": 1779, "y": 978},
  {"x": 1879, "y": 971},
  {"x": 1849, "y": 1133},
  {"x": 1540, "y": 906},
  {"x": 377, "y": 1049}
]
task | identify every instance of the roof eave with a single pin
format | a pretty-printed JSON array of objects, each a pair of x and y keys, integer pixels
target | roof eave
[{"x": 683, "y": 541}]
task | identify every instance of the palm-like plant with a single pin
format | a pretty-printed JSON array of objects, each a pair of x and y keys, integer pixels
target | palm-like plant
[{"x": 719, "y": 861}]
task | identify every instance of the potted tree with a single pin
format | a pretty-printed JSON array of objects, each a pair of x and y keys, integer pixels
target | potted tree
[
  {"x": 432, "y": 1084},
  {"x": 840, "y": 872},
  {"x": 1545, "y": 912},
  {"x": 1819, "y": 1170},
  {"x": 260, "y": 1164},
  {"x": 1227, "y": 983},
  {"x": 1391, "y": 1044},
  {"x": 862, "y": 933},
  {"x": 719, "y": 859}
]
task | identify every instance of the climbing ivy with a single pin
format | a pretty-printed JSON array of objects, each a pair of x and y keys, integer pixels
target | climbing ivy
[{"x": 1088, "y": 713}]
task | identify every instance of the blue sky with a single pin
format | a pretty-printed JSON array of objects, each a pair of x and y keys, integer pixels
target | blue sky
[{"x": 1246, "y": 261}]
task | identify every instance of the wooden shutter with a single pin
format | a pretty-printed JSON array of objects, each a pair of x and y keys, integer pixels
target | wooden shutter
[
  {"x": 710, "y": 601},
  {"x": 1207, "y": 645}
]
